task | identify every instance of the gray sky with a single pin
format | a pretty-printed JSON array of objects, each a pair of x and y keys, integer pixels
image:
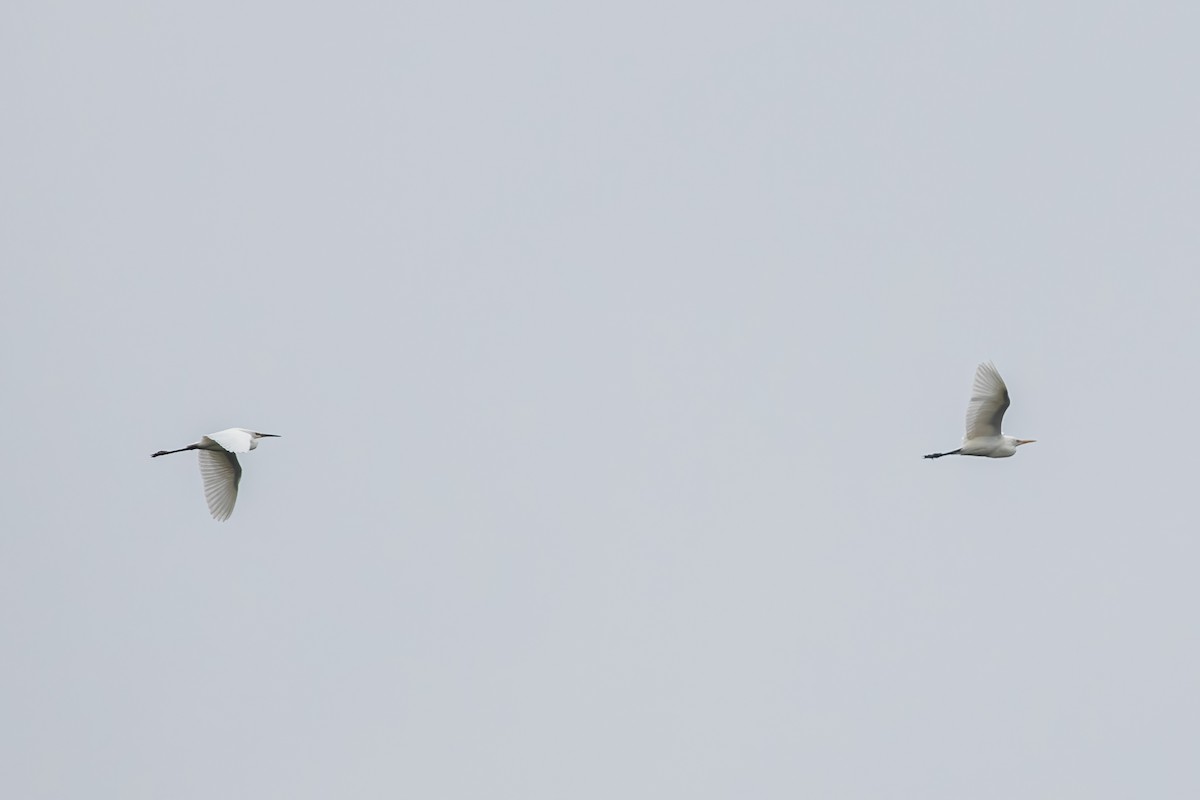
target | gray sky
[{"x": 604, "y": 343}]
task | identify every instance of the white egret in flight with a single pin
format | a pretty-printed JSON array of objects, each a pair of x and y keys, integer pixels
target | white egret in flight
[
  {"x": 985, "y": 412},
  {"x": 219, "y": 466}
]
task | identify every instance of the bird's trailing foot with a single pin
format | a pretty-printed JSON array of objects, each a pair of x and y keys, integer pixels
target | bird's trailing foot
[
  {"x": 168, "y": 452},
  {"x": 939, "y": 455}
]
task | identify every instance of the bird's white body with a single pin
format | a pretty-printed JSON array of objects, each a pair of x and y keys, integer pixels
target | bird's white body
[
  {"x": 985, "y": 413},
  {"x": 990, "y": 446},
  {"x": 219, "y": 466}
]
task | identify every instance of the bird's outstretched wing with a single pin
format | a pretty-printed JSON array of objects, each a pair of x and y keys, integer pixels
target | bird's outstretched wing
[
  {"x": 989, "y": 401},
  {"x": 235, "y": 440},
  {"x": 221, "y": 473}
]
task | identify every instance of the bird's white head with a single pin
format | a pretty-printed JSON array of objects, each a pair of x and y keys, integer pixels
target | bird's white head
[{"x": 255, "y": 436}]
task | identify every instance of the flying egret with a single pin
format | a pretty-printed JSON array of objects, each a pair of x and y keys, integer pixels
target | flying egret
[
  {"x": 219, "y": 465},
  {"x": 984, "y": 414}
]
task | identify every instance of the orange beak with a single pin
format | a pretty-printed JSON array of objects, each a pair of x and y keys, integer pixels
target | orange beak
[{"x": 1025, "y": 441}]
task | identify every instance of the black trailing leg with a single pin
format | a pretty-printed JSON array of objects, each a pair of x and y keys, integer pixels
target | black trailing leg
[
  {"x": 168, "y": 452},
  {"x": 939, "y": 455}
]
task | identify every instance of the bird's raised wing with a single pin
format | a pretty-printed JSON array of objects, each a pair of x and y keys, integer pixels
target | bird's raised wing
[
  {"x": 221, "y": 473},
  {"x": 989, "y": 401},
  {"x": 235, "y": 440}
]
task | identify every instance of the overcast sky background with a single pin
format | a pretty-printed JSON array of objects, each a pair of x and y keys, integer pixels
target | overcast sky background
[{"x": 605, "y": 341}]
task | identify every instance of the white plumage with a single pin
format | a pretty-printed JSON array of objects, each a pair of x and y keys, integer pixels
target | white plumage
[
  {"x": 219, "y": 467},
  {"x": 985, "y": 413}
]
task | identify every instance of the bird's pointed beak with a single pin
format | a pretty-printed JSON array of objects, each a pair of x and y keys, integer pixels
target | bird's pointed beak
[
  {"x": 1026, "y": 441},
  {"x": 269, "y": 435}
]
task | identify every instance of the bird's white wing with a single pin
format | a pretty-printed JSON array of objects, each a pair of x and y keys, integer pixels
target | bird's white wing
[
  {"x": 989, "y": 401},
  {"x": 221, "y": 473},
  {"x": 235, "y": 440}
]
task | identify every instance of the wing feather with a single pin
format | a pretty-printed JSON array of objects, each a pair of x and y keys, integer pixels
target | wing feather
[
  {"x": 989, "y": 401},
  {"x": 221, "y": 473},
  {"x": 235, "y": 440}
]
